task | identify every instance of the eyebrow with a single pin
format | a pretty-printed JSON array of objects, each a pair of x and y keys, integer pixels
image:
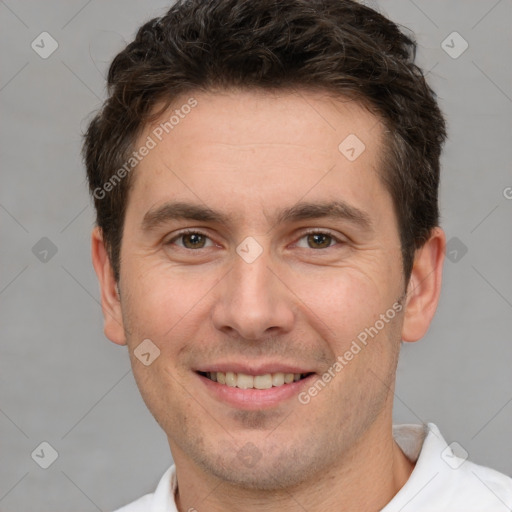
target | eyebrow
[{"x": 169, "y": 211}]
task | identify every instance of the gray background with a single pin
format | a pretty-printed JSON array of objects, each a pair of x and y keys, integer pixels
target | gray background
[{"x": 63, "y": 382}]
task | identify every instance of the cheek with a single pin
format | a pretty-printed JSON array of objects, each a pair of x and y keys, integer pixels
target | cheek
[
  {"x": 346, "y": 302},
  {"x": 158, "y": 298},
  {"x": 167, "y": 407}
]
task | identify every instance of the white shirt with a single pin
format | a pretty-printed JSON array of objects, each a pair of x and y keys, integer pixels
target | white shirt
[{"x": 440, "y": 482}]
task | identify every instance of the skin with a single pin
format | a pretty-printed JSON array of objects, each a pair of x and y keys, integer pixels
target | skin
[{"x": 249, "y": 154}]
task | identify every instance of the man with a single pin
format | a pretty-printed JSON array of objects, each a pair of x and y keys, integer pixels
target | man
[{"x": 265, "y": 176}]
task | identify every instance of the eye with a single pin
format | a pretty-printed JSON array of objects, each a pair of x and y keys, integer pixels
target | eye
[
  {"x": 318, "y": 240},
  {"x": 191, "y": 240},
  {"x": 197, "y": 240}
]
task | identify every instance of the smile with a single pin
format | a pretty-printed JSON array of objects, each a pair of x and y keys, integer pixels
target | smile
[{"x": 245, "y": 381}]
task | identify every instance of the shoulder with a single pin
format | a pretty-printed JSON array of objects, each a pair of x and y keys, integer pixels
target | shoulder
[
  {"x": 443, "y": 480},
  {"x": 482, "y": 486},
  {"x": 472, "y": 483}
]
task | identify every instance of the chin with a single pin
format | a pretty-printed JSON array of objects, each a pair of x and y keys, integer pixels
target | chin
[
  {"x": 264, "y": 470},
  {"x": 264, "y": 478}
]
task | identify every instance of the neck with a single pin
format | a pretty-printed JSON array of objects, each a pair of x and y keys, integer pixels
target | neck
[{"x": 365, "y": 479}]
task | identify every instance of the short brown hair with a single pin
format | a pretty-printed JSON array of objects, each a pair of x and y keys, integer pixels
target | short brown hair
[{"x": 336, "y": 46}]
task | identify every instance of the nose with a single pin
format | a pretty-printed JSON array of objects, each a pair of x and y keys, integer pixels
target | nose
[{"x": 252, "y": 302}]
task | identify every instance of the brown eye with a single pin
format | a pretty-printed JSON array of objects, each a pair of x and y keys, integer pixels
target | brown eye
[
  {"x": 193, "y": 240},
  {"x": 319, "y": 240}
]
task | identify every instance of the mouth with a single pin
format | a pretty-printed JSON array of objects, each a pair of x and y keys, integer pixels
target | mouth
[{"x": 262, "y": 382}]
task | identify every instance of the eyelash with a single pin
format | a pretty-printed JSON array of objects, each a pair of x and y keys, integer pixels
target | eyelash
[{"x": 306, "y": 233}]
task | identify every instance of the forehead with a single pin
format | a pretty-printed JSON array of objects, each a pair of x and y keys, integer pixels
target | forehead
[
  {"x": 233, "y": 149},
  {"x": 314, "y": 119}
]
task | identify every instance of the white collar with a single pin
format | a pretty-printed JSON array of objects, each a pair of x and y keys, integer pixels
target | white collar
[{"x": 440, "y": 479}]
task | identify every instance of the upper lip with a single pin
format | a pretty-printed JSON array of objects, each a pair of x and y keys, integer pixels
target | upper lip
[{"x": 252, "y": 369}]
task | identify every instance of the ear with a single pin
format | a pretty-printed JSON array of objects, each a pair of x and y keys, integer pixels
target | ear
[
  {"x": 424, "y": 286},
  {"x": 110, "y": 299}
]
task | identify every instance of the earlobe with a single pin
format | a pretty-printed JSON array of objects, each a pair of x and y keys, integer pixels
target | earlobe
[
  {"x": 424, "y": 287},
  {"x": 110, "y": 298}
]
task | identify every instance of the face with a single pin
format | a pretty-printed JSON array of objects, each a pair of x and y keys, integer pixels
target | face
[{"x": 255, "y": 247}]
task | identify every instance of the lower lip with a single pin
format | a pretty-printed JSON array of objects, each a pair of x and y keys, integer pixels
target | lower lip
[{"x": 254, "y": 399}]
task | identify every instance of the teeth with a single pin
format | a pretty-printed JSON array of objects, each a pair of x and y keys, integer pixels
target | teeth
[
  {"x": 231, "y": 379},
  {"x": 244, "y": 381},
  {"x": 263, "y": 381},
  {"x": 278, "y": 379}
]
